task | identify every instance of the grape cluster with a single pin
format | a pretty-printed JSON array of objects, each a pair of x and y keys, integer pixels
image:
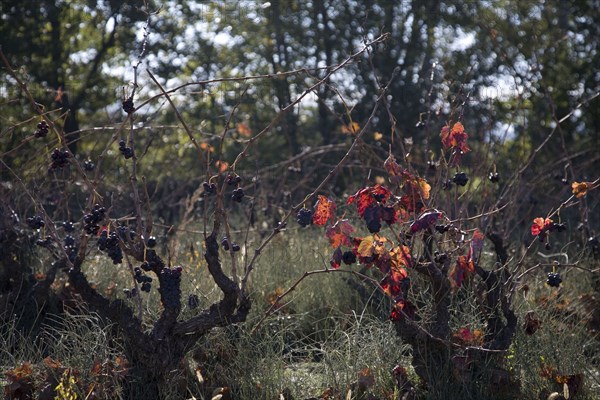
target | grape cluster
[
  {"x": 170, "y": 287},
  {"x": 69, "y": 241},
  {"x": 46, "y": 242},
  {"x": 372, "y": 217},
  {"x": 237, "y": 195},
  {"x": 91, "y": 221},
  {"x": 447, "y": 184},
  {"x": 494, "y": 177},
  {"x": 432, "y": 165},
  {"x": 143, "y": 279},
  {"x": 304, "y": 217},
  {"x": 42, "y": 129},
  {"x": 443, "y": 228},
  {"x": 554, "y": 279},
  {"x": 232, "y": 179},
  {"x": 110, "y": 244},
  {"x": 225, "y": 244},
  {"x": 557, "y": 227},
  {"x": 68, "y": 226},
  {"x": 440, "y": 258},
  {"x": 128, "y": 105},
  {"x": 349, "y": 257},
  {"x": 130, "y": 293},
  {"x": 125, "y": 150},
  {"x": 146, "y": 266},
  {"x": 124, "y": 233},
  {"x": 35, "y": 222},
  {"x": 60, "y": 159},
  {"x": 193, "y": 301},
  {"x": 69, "y": 247},
  {"x": 209, "y": 188},
  {"x": 460, "y": 178},
  {"x": 14, "y": 218},
  {"x": 88, "y": 165},
  {"x": 151, "y": 242}
]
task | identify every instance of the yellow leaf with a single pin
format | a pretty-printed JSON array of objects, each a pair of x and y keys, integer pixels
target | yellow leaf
[
  {"x": 244, "y": 130},
  {"x": 365, "y": 248},
  {"x": 425, "y": 188},
  {"x": 351, "y": 129},
  {"x": 379, "y": 244},
  {"x": 378, "y": 136},
  {"x": 206, "y": 147},
  {"x": 222, "y": 165},
  {"x": 580, "y": 188}
]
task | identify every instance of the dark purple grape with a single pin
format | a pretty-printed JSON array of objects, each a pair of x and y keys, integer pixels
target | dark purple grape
[
  {"x": 554, "y": 279},
  {"x": 146, "y": 286},
  {"x": 349, "y": 257},
  {"x": 46, "y": 242},
  {"x": 35, "y": 222},
  {"x": 209, "y": 188},
  {"x": 225, "y": 243},
  {"x": 233, "y": 179},
  {"x": 60, "y": 159},
  {"x": 460, "y": 178},
  {"x": 170, "y": 282},
  {"x": 237, "y": 195},
  {"x": 151, "y": 242},
  {"x": 304, "y": 217},
  {"x": 128, "y": 105},
  {"x": 42, "y": 129},
  {"x": 88, "y": 165},
  {"x": 193, "y": 301},
  {"x": 146, "y": 266},
  {"x": 69, "y": 240},
  {"x": 443, "y": 228}
]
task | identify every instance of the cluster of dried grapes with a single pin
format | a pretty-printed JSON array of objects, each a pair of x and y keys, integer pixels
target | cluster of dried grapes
[
  {"x": 170, "y": 286},
  {"x": 60, "y": 159}
]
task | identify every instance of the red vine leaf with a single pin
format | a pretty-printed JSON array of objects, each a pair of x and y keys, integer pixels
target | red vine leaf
[
  {"x": 336, "y": 258},
  {"x": 52, "y": 364},
  {"x": 324, "y": 210},
  {"x": 476, "y": 243},
  {"x": 462, "y": 270},
  {"x": 532, "y": 323},
  {"x": 540, "y": 225},
  {"x": 369, "y": 196},
  {"x": 466, "y": 336},
  {"x": 244, "y": 130},
  {"x": 425, "y": 221},
  {"x": 401, "y": 309},
  {"x": 340, "y": 233},
  {"x": 455, "y": 137},
  {"x": 392, "y": 167}
]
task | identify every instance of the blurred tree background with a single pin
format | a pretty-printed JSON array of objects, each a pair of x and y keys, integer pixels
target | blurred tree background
[{"x": 509, "y": 70}]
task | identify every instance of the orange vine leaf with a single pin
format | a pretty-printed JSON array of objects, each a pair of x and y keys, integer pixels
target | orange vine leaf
[
  {"x": 324, "y": 210},
  {"x": 462, "y": 270},
  {"x": 340, "y": 234},
  {"x": 580, "y": 188},
  {"x": 540, "y": 225}
]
